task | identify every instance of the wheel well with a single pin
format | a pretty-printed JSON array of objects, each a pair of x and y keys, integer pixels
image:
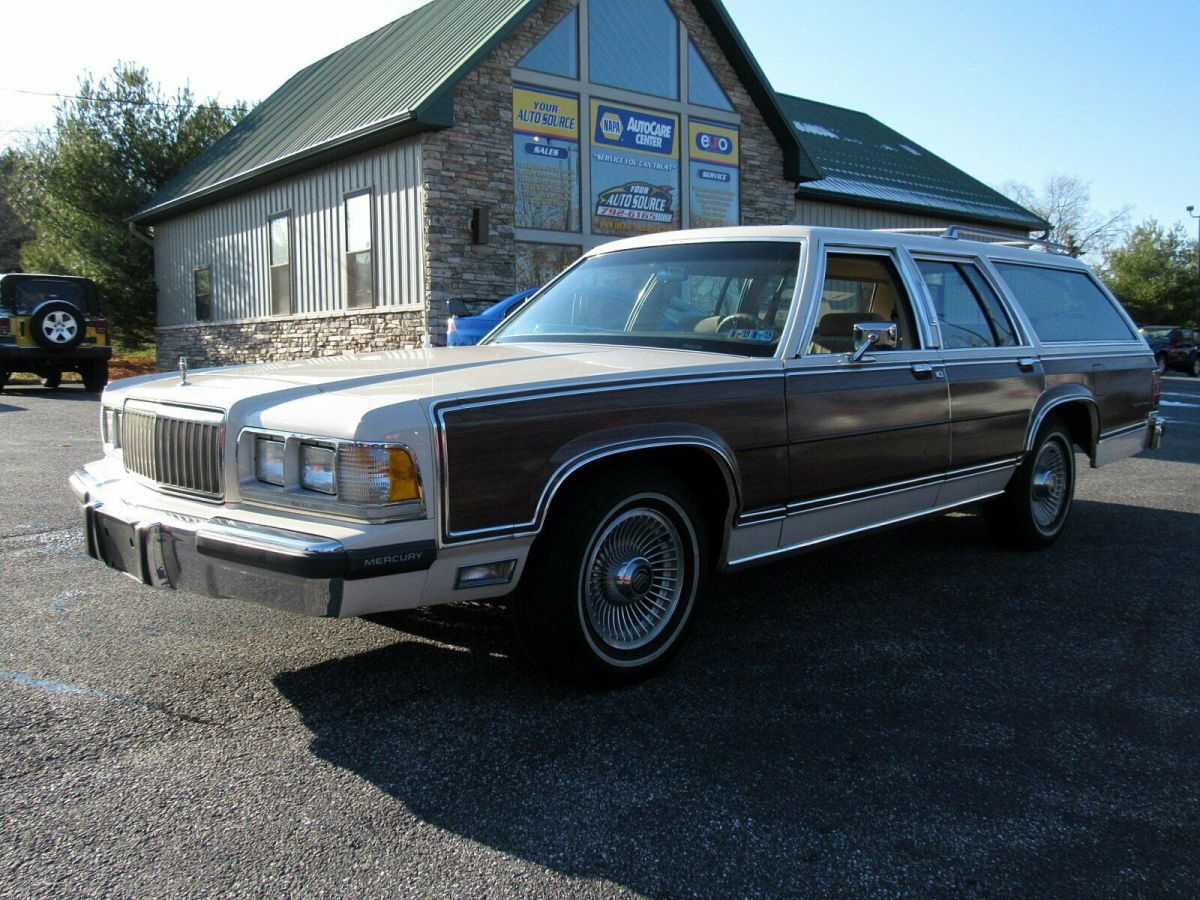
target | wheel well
[
  {"x": 1079, "y": 417},
  {"x": 696, "y": 467}
]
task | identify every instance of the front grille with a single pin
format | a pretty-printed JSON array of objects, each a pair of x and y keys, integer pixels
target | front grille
[{"x": 181, "y": 454}]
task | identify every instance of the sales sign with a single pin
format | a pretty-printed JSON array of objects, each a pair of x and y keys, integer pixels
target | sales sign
[{"x": 546, "y": 159}]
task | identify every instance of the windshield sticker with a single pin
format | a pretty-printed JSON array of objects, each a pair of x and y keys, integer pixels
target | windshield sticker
[{"x": 758, "y": 335}]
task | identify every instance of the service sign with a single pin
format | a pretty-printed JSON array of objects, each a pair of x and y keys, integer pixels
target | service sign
[
  {"x": 635, "y": 170},
  {"x": 546, "y": 159},
  {"x": 713, "y": 187}
]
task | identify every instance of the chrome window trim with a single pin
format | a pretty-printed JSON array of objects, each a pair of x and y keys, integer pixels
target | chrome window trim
[
  {"x": 977, "y": 261},
  {"x": 291, "y": 496}
]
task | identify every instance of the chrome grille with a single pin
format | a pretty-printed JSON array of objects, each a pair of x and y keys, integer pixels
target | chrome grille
[{"x": 177, "y": 453}]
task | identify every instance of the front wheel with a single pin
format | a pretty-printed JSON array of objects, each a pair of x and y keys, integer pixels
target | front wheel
[
  {"x": 51, "y": 380},
  {"x": 1033, "y": 509},
  {"x": 95, "y": 377},
  {"x": 610, "y": 586}
]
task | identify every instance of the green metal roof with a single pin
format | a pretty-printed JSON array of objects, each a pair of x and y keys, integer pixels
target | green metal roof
[
  {"x": 865, "y": 163},
  {"x": 393, "y": 83}
]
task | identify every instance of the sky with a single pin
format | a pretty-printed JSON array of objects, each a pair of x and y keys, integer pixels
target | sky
[{"x": 1106, "y": 90}]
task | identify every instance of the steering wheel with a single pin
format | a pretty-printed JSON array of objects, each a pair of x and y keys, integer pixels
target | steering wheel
[{"x": 730, "y": 322}]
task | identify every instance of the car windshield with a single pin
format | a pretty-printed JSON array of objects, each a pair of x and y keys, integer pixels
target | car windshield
[{"x": 729, "y": 297}]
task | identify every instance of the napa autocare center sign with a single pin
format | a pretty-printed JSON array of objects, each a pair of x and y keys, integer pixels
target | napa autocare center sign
[
  {"x": 635, "y": 170},
  {"x": 546, "y": 159},
  {"x": 713, "y": 153}
]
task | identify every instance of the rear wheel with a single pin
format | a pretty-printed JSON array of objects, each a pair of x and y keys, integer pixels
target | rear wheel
[
  {"x": 1194, "y": 369},
  {"x": 1033, "y": 510},
  {"x": 95, "y": 377},
  {"x": 51, "y": 380},
  {"x": 611, "y": 583}
]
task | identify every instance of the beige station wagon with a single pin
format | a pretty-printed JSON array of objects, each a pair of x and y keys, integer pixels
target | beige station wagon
[{"x": 668, "y": 406}]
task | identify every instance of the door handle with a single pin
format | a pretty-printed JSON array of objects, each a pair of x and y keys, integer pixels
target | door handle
[
  {"x": 1027, "y": 363},
  {"x": 922, "y": 371}
]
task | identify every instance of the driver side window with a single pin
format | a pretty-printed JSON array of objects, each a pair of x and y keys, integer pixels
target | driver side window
[{"x": 860, "y": 289}]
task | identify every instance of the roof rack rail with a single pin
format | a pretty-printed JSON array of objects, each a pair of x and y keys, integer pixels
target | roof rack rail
[{"x": 1000, "y": 238}]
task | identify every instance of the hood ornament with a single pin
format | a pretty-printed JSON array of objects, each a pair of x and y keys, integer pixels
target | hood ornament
[{"x": 183, "y": 371}]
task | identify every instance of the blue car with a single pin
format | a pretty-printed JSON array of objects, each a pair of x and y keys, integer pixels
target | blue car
[{"x": 464, "y": 330}]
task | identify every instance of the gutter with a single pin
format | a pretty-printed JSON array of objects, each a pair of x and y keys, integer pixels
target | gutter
[{"x": 142, "y": 236}]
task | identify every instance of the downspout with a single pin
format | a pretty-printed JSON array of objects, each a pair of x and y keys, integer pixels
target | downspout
[{"x": 140, "y": 235}]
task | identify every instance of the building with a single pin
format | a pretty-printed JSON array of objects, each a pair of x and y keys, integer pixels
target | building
[{"x": 449, "y": 154}]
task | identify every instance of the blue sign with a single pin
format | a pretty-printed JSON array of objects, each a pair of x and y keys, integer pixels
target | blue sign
[
  {"x": 710, "y": 175},
  {"x": 634, "y": 130},
  {"x": 545, "y": 150},
  {"x": 717, "y": 144}
]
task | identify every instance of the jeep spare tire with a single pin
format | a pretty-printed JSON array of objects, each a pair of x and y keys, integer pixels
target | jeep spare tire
[{"x": 57, "y": 326}]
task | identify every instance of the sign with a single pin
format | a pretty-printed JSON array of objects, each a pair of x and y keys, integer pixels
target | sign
[
  {"x": 635, "y": 170},
  {"x": 546, "y": 159},
  {"x": 713, "y": 189}
]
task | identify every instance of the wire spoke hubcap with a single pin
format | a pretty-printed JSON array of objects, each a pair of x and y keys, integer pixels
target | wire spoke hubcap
[
  {"x": 634, "y": 578},
  {"x": 1049, "y": 484}
]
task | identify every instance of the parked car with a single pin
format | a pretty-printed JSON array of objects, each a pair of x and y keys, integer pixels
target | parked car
[
  {"x": 51, "y": 324},
  {"x": 465, "y": 330},
  {"x": 1174, "y": 348},
  {"x": 670, "y": 406}
]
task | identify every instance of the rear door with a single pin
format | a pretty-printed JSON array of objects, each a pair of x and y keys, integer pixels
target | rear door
[
  {"x": 992, "y": 369},
  {"x": 868, "y": 441}
]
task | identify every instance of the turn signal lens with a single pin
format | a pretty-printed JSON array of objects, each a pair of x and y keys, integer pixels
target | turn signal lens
[
  {"x": 373, "y": 476},
  {"x": 268, "y": 461},
  {"x": 111, "y": 427}
]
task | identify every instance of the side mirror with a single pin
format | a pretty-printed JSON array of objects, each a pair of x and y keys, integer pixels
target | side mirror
[
  {"x": 883, "y": 335},
  {"x": 458, "y": 307}
]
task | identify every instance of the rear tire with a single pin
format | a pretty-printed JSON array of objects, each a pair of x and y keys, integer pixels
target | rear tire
[
  {"x": 1033, "y": 510},
  {"x": 611, "y": 584},
  {"x": 1160, "y": 363},
  {"x": 95, "y": 377},
  {"x": 52, "y": 380},
  {"x": 1194, "y": 369}
]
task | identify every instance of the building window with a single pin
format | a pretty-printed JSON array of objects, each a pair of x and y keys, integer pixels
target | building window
[
  {"x": 703, "y": 89},
  {"x": 546, "y": 159},
  {"x": 714, "y": 190},
  {"x": 558, "y": 52},
  {"x": 634, "y": 44},
  {"x": 360, "y": 269},
  {"x": 539, "y": 263},
  {"x": 280, "y": 229},
  {"x": 202, "y": 292}
]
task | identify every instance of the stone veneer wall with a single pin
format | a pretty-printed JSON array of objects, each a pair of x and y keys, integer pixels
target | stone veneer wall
[
  {"x": 296, "y": 337},
  {"x": 471, "y": 165}
]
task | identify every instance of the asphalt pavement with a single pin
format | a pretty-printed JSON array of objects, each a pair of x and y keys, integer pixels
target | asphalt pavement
[{"x": 915, "y": 712}]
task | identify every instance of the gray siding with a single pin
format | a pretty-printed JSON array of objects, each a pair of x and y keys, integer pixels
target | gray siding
[
  {"x": 231, "y": 238},
  {"x": 835, "y": 215}
]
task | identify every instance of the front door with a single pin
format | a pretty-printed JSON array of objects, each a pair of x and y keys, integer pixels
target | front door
[{"x": 868, "y": 440}]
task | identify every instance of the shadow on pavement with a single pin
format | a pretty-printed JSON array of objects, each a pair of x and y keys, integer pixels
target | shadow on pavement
[{"x": 912, "y": 711}]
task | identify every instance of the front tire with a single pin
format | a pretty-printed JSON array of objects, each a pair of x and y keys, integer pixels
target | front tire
[
  {"x": 1033, "y": 510},
  {"x": 52, "y": 380},
  {"x": 95, "y": 377},
  {"x": 611, "y": 584}
]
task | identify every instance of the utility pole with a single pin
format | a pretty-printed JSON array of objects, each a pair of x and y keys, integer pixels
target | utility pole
[{"x": 1195, "y": 215}]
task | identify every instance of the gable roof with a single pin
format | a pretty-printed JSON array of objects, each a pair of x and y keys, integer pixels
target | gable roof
[
  {"x": 396, "y": 82},
  {"x": 866, "y": 163}
]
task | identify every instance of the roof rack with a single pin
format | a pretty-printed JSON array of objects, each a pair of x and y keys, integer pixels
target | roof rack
[{"x": 999, "y": 238}]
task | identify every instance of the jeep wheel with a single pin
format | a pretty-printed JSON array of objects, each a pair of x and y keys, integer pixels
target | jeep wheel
[
  {"x": 51, "y": 380},
  {"x": 611, "y": 583},
  {"x": 1031, "y": 513},
  {"x": 95, "y": 377},
  {"x": 57, "y": 326},
  {"x": 1160, "y": 363}
]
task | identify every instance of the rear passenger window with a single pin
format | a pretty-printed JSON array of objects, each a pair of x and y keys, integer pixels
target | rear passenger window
[
  {"x": 968, "y": 309},
  {"x": 1063, "y": 305}
]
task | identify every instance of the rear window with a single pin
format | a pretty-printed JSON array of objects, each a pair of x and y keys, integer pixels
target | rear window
[
  {"x": 1064, "y": 305},
  {"x": 23, "y": 295}
]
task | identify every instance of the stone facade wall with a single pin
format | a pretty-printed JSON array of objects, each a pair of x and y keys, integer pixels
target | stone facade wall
[
  {"x": 297, "y": 337},
  {"x": 471, "y": 165}
]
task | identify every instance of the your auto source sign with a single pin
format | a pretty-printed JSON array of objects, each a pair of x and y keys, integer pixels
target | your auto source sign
[
  {"x": 546, "y": 159},
  {"x": 635, "y": 170}
]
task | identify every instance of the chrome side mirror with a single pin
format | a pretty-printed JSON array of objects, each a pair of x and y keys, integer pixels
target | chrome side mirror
[{"x": 884, "y": 335}]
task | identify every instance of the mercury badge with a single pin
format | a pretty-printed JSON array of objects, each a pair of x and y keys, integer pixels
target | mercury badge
[{"x": 183, "y": 371}]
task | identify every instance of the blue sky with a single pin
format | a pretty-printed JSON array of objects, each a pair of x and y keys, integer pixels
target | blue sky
[{"x": 1106, "y": 90}]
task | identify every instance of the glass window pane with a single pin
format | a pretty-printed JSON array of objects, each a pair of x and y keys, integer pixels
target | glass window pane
[
  {"x": 668, "y": 296},
  {"x": 860, "y": 289},
  {"x": 1064, "y": 305},
  {"x": 1002, "y": 325},
  {"x": 703, "y": 89},
  {"x": 634, "y": 44},
  {"x": 713, "y": 189},
  {"x": 360, "y": 285},
  {"x": 537, "y": 264},
  {"x": 635, "y": 170},
  {"x": 358, "y": 222},
  {"x": 281, "y": 241},
  {"x": 969, "y": 313},
  {"x": 558, "y": 52},
  {"x": 546, "y": 159},
  {"x": 202, "y": 291}
]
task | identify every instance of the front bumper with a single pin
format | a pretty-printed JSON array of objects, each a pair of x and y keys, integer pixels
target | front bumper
[{"x": 221, "y": 558}]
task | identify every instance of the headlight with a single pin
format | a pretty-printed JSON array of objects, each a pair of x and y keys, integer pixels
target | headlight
[
  {"x": 375, "y": 475},
  {"x": 268, "y": 461},
  {"x": 110, "y": 427},
  {"x": 317, "y": 469}
]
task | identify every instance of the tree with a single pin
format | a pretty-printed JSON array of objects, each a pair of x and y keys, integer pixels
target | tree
[
  {"x": 1153, "y": 272},
  {"x": 1066, "y": 203},
  {"x": 111, "y": 149},
  {"x": 13, "y": 232}
]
